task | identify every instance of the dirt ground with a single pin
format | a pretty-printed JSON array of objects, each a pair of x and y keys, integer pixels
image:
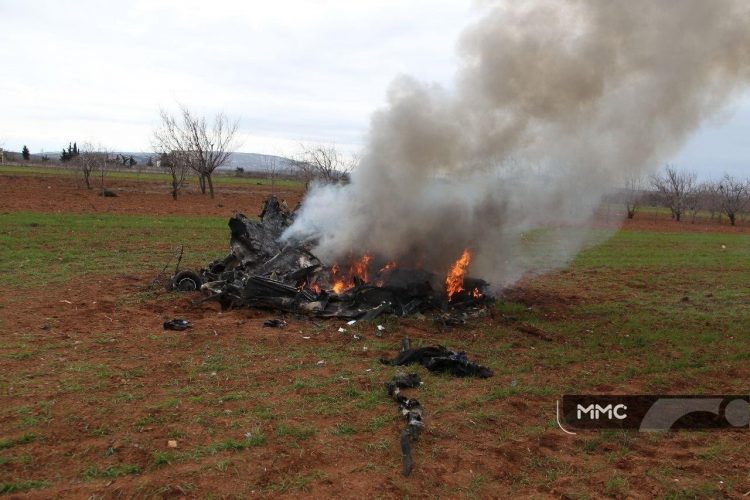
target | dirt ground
[
  {"x": 85, "y": 325},
  {"x": 62, "y": 194},
  {"x": 95, "y": 370}
]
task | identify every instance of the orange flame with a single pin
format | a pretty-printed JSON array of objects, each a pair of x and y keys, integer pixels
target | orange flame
[
  {"x": 359, "y": 268},
  {"x": 339, "y": 287},
  {"x": 356, "y": 269},
  {"x": 454, "y": 282}
]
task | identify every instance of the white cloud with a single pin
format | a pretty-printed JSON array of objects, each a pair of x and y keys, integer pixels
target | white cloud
[{"x": 291, "y": 70}]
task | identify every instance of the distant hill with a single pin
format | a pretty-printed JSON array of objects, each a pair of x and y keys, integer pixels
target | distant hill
[{"x": 251, "y": 162}]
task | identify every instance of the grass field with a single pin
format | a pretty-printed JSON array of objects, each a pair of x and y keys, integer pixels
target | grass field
[
  {"x": 221, "y": 178},
  {"x": 39, "y": 249},
  {"x": 644, "y": 311},
  {"x": 92, "y": 397}
]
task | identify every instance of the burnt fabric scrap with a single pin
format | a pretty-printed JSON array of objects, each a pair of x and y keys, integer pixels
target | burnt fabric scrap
[
  {"x": 441, "y": 360},
  {"x": 411, "y": 410}
]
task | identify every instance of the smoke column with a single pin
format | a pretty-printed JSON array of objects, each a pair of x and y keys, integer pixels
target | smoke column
[{"x": 556, "y": 102}]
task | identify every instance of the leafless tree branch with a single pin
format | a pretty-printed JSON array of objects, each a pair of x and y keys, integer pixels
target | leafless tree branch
[
  {"x": 674, "y": 188},
  {"x": 204, "y": 147}
]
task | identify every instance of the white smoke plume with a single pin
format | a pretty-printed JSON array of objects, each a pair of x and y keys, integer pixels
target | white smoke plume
[{"x": 556, "y": 102}]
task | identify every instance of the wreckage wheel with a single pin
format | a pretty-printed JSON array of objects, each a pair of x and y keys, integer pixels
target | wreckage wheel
[{"x": 186, "y": 281}]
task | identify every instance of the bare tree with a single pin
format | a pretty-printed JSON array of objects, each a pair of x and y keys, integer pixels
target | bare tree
[
  {"x": 633, "y": 194},
  {"x": 711, "y": 198},
  {"x": 695, "y": 200},
  {"x": 103, "y": 160},
  {"x": 674, "y": 188},
  {"x": 733, "y": 195},
  {"x": 177, "y": 165},
  {"x": 209, "y": 146},
  {"x": 323, "y": 164},
  {"x": 86, "y": 162}
]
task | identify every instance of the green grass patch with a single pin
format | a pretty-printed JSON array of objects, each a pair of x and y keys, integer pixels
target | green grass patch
[
  {"x": 343, "y": 430},
  {"x": 163, "y": 457},
  {"x": 9, "y": 443},
  {"x": 666, "y": 251},
  {"x": 41, "y": 249},
  {"x": 230, "y": 444},
  {"x": 297, "y": 433},
  {"x": 111, "y": 472},
  {"x": 19, "y": 486}
]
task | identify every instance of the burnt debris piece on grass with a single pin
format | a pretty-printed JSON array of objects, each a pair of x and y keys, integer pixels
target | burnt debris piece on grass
[
  {"x": 262, "y": 271},
  {"x": 436, "y": 359},
  {"x": 177, "y": 324},
  {"x": 411, "y": 410},
  {"x": 274, "y": 323},
  {"x": 441, "y": 360}
]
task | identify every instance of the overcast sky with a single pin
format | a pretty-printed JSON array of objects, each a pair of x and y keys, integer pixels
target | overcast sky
[{"x": 290, "y": 70}]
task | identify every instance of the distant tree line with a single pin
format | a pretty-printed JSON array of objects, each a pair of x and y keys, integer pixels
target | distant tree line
[{"x": 684, "y": 196}]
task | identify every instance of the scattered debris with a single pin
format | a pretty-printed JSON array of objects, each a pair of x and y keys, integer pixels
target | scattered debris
[
  {"x": 534, "y": 331},
  {"x": 411, "y": 410},
  {"x": 160, "y": 278},
  {"x": 172, "y": 443},
  {"x": 350, "y": 323},
  {"x": 381, "y": 328},
  {"x": 274, "y": 323},
  {"x": 186, "y": 281},
  {"x": 342, "y": 330},
  {"x": 439, "y": 359},
  {"x": 177, "y": 324}
]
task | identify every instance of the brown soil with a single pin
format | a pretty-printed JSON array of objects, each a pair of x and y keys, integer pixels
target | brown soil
[
  {"x": 85, "y": 324},
  {"x": 650, "y": 222},
  {"x": 63, "y": 194}
]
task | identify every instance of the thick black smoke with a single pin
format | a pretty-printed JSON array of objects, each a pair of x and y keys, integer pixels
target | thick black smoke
[{"x": 556, "y": 103}]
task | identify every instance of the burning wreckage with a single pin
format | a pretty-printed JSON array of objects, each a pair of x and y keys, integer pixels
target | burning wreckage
[{"x": 261, "y": 271}]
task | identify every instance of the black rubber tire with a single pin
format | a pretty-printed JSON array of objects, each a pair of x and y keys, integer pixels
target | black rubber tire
[{"x": 186, "y": 281}]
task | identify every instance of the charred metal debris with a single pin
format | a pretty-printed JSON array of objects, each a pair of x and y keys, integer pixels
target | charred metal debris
[
  {"x": 436, "y": 359},
  {"x": 440, "y": 360},
  {"x": 411, "y": 410},
  {"x": 260, "y": 271},
  {"x": 177, "y": 324}
]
